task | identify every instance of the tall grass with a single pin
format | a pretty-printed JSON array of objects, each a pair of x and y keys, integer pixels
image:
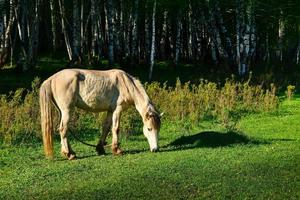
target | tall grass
[{"x": 185, "y": 104}]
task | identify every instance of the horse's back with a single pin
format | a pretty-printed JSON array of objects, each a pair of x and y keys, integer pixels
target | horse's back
[{"x": 92, "y": 90}]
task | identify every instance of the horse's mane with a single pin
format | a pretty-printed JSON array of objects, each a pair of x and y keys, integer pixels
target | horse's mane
[{"x": 134, "y": 86}]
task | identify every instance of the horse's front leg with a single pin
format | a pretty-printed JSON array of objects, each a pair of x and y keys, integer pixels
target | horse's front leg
[
  {"x": 115, "y": 131},
  {"x": 105, "y": 130},
  {"x": 66, "y": 149}
]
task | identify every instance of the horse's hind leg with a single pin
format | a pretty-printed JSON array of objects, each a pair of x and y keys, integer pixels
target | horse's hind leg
[
  {"x": 105, "y": 130},
  {"x": 66, "y": 149}
]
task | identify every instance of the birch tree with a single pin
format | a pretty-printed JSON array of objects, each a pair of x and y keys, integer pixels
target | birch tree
[
  {"x": 64, "y": 28},
  {"x": 134, "y": 33},
  {"x": 53, "y": 25},
  {"x": 5, "y": 32},
  {"x": 152, "y": 51}
]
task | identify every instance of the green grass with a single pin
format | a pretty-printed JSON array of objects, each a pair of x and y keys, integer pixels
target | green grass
[
  {"x": 202, "y": 163},
  {"x": 262, "y": 161}
]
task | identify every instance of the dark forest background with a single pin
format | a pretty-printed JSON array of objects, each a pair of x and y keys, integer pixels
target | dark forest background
[{"x": 235, "y": 36}]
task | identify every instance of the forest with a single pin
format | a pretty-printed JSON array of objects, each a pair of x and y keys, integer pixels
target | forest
[{"x": 233, "y": 36}]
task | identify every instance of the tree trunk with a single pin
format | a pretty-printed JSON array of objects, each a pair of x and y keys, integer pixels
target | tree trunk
[
  {"x": 33, "y": 35},
  {"x": 110, "y": 27},
  {"x": 4, "y": 51},
  {"x": 134, "y": 34},
  {"x": 152, "y": 51},
  {"x": 164, "y": 36},
  {"x": 147, "y": 32},
  {"x": 23, "y": 58},
  {"x": 117, "y": 31},
  {"x": 53, "y": 26},
  {"x": 178, "y": 39},
  {"x": 64, "y": 29},
  {"x": 76, "y": 33},
  {"x": 190, "y": 32},
  {"x": 281, "y": 33},
  {"x": 241, "y": 70},
  {"x": 93, "y": 28},
  {"x": 82, "y": 29}
]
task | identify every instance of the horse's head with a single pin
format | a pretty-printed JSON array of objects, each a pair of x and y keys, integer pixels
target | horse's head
[{"x": 151, "y": 129}]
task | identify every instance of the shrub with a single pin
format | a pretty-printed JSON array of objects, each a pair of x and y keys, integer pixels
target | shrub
[
  {"x": 290, "y": 91},
  {"x": 19, "y": 113},
  {"x": 185, "y": 105}
]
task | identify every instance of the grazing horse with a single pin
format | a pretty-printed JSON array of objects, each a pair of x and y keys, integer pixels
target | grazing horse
[{"x": 96, "y": 91}]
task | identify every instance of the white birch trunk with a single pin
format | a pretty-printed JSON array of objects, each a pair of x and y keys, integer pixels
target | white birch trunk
[
  {"x": 178, "y": 39},
  {"x": 134, "y": 33},
  {"x": 117, "y": 31},
  {"x": 6, "y": 33},
  {"x": 238, "y": 36},
  {"x": 152, "y": 52},
  {"x": 164, "y": 36},
  {"x": 64, "y": 30},
  {"x": 147, "y": 32},
  {"x": 53, "y": 25},
  {"x": 190, "y": 31},
  {"x": 93, "y": 28},
  {"x": 281, "y": 33},
  {"x": 82, "y": 37}
]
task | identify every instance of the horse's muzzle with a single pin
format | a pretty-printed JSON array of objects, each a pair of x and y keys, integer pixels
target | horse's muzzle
[{"x": 154, "y": 150}]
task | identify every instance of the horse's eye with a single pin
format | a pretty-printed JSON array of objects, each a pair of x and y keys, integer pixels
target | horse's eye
[{"x": 149, "y": 129}]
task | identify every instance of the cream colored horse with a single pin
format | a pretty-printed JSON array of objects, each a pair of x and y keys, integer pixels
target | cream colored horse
[{"x": 96, "y": 91}]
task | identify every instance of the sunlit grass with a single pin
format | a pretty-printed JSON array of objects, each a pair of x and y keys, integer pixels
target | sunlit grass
[{"x": 262, "y": 161}]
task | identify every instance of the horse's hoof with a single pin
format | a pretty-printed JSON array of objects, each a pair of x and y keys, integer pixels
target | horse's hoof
[
  {"x": 72, "y": 157},
  {"x": 117, "y": 152},
  {"x": 100, "y": 150}
]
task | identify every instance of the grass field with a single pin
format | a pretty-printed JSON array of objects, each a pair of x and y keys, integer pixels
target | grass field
[{"x": 262, "y": 161}]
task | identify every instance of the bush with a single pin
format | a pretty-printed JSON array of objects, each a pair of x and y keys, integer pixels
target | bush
[
  {"x": 185, "y": 105},
  {"x": 208, "y": 100},
  {"x": 19, "y": 113},
  {"x": 290, "y": 91}
]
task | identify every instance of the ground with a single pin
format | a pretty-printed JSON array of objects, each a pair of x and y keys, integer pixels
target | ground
[{"x": 260, "y": 161}]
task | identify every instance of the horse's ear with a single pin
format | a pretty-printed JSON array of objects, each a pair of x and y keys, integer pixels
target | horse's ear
[{"x": 148, "y": 115}]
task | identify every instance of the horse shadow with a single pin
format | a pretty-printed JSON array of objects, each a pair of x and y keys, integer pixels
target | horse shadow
[{"x": 211, "y": 139}]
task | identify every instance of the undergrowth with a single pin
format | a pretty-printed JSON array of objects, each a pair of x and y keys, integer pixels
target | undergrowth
[{"x": 185, "y": 105}]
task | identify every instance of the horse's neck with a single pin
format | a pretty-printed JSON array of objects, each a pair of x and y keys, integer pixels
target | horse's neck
[{"x": 142, "y": 102}]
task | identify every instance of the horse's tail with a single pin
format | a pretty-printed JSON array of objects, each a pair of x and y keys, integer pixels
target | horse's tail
[{"x": 46, "y": 118}]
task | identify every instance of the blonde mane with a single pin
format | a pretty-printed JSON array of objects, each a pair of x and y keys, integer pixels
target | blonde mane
[{"x": 137, "y": 88}]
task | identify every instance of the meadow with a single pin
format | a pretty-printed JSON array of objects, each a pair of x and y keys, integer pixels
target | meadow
[
  {"x": 230, "y": 140},
  {"x": 260, "y": 162}
]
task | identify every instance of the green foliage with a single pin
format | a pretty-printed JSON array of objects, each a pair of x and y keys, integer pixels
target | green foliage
[
  {"x": 185, "y": 105},
  {"x": 19, "y": 113},
  {"x": 208, "y": 100}
]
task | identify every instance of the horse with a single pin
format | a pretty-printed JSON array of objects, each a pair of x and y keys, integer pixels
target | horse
[{"x": 109, "y": 91}]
